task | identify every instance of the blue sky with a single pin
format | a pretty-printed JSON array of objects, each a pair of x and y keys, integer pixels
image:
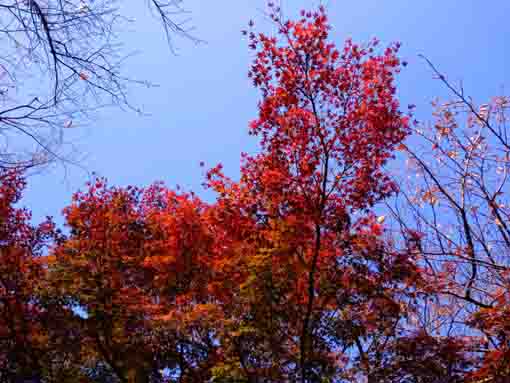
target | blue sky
[{"x": 201, "y": 109}]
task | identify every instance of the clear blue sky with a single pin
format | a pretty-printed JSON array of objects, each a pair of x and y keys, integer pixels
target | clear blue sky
[{"x": 204, "y": 101}]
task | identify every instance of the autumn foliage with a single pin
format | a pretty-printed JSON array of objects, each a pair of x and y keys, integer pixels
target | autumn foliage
[{"x": 291, "y": 274}]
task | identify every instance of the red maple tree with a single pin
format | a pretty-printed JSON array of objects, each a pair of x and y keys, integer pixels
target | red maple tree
[{"x": 319, "y": 290}]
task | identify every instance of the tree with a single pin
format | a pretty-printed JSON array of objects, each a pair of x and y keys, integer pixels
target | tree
[
  {"x": 60, "y": 61},
  {"x": 130, "y": 263},
  {"x": 454, "y": 212},
  {"x": 35, "y": 340},
  {"x": 320, "y": 290}
]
